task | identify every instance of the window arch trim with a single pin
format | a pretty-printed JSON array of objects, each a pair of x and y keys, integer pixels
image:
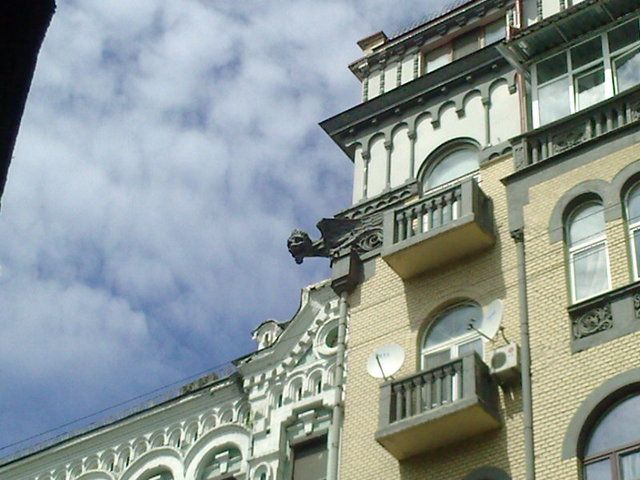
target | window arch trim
[
  {"x": 440, "y": 153},
  {"x": 452, "y": 343},
  {"x": 590, "y": 189},
  {"x": 593, "y": 406}
]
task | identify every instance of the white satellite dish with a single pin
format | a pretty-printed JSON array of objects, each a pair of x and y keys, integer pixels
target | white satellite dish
[
  {"x": 385, "y": 361},
  {"x": 492, "y": 318}
]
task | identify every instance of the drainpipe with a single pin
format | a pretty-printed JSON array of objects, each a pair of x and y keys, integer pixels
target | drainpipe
[
  {"x": 346, "y": 274},
  {"x": 525, "y": 352},
  {"x": 338, "y": 406}
]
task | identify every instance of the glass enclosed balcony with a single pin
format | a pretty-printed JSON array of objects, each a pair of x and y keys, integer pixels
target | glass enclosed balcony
[{"x": 441, "y": 227}]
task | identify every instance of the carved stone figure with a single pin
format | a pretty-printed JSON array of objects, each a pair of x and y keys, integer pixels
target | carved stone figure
[{"x": 338, "y": 235}]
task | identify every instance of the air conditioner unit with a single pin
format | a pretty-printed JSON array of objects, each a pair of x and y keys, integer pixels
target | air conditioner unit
[{"x": 505, "y": 364}]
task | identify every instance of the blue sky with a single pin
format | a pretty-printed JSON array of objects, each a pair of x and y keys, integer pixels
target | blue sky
[{"x": 167, "y": 150}]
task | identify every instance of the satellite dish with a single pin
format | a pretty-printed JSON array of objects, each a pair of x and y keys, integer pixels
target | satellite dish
[
  {"x": 492, "y": 317},
  {"x": 385, "y": 361}
]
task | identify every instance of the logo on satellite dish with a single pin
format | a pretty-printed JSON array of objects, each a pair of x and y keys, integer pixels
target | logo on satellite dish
[
  {"x": 489, "y": 324},
  {"x": 385, "y": 361}
]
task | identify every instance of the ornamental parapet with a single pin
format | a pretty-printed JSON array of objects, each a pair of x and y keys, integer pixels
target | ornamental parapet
[
  {"x": 587, "y": 126},
  {"x": 604, "y": 317}
]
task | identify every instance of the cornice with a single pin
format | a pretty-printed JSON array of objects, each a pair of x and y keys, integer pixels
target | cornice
[{"x": 416, "y": 93}]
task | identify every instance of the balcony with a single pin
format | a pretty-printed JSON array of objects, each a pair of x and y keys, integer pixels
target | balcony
[
  {"x": 597, "y": 122},
  {"x": 438, "y": 229},
  {"x": 437, "y": 407}
]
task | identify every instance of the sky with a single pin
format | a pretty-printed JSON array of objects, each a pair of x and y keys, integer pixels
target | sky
[{"x": 167, "y": 150}]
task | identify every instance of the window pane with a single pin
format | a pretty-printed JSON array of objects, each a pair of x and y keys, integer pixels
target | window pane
[
  {"x": 587, "y": 223},
  {"x": 438, "y": 58},
  {"x": 453, "y": 323},
  {"x": 436, "y": 359},
  {"x": 554, "y": 101},
  {"x": 590, "y": 274},
  {"x": 630, "y": 466},
  {"x": 627, "y": 70},
  {"x": 310, "y": 460},
  {"x": 455, "y": 165},
  {"x": 618, "y": 427},
  {"x": 633, "y": 205},
  {"x": 465, "y": 45},
  {"x": 590, "y": 88},
  {"x": 624, "y": 35},
  {"x": 494, "y": 32},
  {"x": 636, "y": 248},
  {"x": 552, "y": 68},
  {"x": 598, "y": 471},
  {"x": 586, "y": 52}
]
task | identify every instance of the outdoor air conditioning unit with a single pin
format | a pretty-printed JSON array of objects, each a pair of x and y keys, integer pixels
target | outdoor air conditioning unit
[{"x": 505, "y": 364}]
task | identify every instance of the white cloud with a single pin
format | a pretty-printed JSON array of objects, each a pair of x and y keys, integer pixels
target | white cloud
[{"x": 167, "y": 150}]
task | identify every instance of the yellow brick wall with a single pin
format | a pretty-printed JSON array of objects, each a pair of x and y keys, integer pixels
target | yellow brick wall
[
  {"x": 561, "y": 380},
  {"x": 387, "y": 310}
]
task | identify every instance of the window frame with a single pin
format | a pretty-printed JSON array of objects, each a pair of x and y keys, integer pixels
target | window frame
[
  {"x": 612, "y": 454},
  {"x": 453, "y": 344},
  {"x": 574, "y": 251},
  {"x": 632, "y": 228},
  {"x": 481, "y": 37},
  {"x": 440, "y": 157},
  {"x": 606, "y": 60}
]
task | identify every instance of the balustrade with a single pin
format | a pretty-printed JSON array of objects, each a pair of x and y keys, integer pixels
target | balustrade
[{"x": 570, "y": 132}]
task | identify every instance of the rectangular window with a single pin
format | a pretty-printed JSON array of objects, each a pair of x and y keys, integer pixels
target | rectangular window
[
  {"x": 587, "y": 73},
  {"x": 552, "y": 68},
  {"x": 635, "y": 238},
  {"x": 626, "y": 69},
  {"x": 437, "y": 58},
  {"x": 590, "y": 271},
  {"x": 494, "y": 32},
  {"x": 310, "y": 460},
  {"x": 465, "y": 44},
  {"x": 554, "y": 101},
  {"x": 624, "y": 35},
  {"x": 589, "y": 87},
  {"x": 600, "y": 470},
  {"x": 586, "y": 53}
]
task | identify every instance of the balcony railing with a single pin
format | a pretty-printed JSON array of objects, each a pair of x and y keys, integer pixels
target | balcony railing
[
  {"x": 570, "y": 132},
  {"x": 437, "y": 229},
  {"x": 436, "y": 407}
]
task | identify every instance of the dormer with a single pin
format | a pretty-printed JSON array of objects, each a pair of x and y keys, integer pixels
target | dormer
[
  {"x": 267, "y": 333},
  {"x": 436, "y": 41}
]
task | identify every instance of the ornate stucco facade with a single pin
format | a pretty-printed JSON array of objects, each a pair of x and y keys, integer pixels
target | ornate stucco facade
[{"x": 246, "y": 425}]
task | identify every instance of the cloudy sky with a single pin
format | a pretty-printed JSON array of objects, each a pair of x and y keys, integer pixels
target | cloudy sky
[{"x": 167, "y": 150}]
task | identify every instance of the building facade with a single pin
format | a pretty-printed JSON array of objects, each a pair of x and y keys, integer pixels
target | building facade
[
  {"x": 268, "y": 419},
  {"x": 490, "y": 256}
]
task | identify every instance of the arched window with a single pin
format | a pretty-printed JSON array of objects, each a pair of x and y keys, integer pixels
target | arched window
[
  {"x": 612, "y": 450},
  {"x": 587, "y": 249},
  {"x": 632, "y": 204},
  {"x": 455, "y": 164},
  {"x": 450, "y": 336}
]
